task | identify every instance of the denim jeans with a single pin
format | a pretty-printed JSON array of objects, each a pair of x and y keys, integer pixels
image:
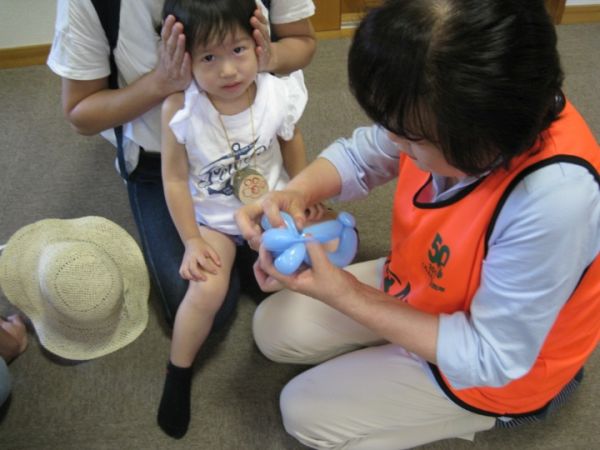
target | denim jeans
[
  {"x": 5, "y": 382},
  {"x": 163, "y": 249}
]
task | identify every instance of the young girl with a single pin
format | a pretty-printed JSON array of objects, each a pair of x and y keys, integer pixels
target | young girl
[{"x": 227, "y": 140}]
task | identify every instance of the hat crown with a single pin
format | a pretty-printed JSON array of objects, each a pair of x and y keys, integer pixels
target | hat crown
[{"x": 80, "y": 283}]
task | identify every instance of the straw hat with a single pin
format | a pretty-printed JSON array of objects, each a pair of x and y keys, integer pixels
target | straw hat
[{"x": 82, "y": 283}]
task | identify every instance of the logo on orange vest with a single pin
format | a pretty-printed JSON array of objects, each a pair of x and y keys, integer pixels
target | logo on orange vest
[
  {"x": 438, "y": 257},
  {"x": 392, "y": 285}
]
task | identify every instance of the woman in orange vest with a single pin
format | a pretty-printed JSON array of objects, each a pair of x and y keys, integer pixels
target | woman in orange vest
[{"x": 487, "y": 306}]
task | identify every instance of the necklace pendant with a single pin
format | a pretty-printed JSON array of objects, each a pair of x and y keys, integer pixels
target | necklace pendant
[{"x": 249, "y": 185}]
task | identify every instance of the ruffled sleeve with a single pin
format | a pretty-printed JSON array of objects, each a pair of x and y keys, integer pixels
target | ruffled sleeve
[
  {"x": 295, "y": 101},
  {"x": 180, "y": 121}
]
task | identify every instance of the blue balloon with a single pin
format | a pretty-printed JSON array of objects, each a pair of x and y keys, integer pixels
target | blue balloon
[{"x": 288, "y": 245}]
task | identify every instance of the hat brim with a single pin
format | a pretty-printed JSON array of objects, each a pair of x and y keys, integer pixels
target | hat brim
[{"x": 20, "y": 283}]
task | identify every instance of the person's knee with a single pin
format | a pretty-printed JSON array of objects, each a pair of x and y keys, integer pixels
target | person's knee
[
  {"x": 292, "y": 328},
  {"x": 265, "y": 332},
  {"x": 300, "y": 416},
  {"x": 277, "y": 333},
  {"x": 205, "y": 296}
]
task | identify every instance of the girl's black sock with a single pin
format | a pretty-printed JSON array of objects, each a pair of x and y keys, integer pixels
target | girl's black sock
[{"x": 174, "y": 410}]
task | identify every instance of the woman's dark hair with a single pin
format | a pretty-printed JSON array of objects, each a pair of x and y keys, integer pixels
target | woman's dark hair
[
  {"x": 205, "y": 21},
  {"x": 480, "y": 79}
]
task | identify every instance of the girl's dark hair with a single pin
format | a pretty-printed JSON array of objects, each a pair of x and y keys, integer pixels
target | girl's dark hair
[
  {"x": 481, "y": 79},
  {"x": 206, "y": 21}
]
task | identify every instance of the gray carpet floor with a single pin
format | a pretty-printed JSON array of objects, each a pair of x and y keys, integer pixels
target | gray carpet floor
[{"x": 110, "y": 403}]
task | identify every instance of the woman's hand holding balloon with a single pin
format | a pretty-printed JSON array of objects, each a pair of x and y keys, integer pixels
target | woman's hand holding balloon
[
  {"x": 248, "y": 217},
  {"x": 322, "y": 280},
  {"x": 289, "y": 243}
]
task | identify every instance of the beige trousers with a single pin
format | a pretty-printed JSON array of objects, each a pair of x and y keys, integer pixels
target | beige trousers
[{"x": 363, "y": 393}]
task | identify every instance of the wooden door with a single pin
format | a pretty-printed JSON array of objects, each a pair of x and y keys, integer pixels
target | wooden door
[
  {"x": 328, "y": 15},
  {"x": 556, "y": 8},
  {"x": 329, "y": 12}
]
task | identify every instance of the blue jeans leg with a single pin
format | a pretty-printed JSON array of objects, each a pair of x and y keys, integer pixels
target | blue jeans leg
[
  {"x": 5, "y": 382},
  {"x": 164, "y": 250}
]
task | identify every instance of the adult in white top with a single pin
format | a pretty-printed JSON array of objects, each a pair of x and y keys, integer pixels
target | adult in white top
[{"x": 150, "y": 67}]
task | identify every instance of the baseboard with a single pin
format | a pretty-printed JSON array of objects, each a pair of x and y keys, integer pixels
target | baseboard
[
  {"x": 31, "y": 55},
  {"x": 37, "y": 54},
  {"x": 336, "y": 34}
]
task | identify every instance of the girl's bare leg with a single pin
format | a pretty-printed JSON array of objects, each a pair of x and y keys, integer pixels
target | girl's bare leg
[{"x": 192, "y": 324}]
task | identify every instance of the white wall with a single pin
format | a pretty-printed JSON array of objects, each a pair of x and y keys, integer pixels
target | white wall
[
  {"x": 26, "y": 22},
  {"x": 31, "y": 22}
]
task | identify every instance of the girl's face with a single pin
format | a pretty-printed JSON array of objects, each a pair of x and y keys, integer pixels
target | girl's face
[
  {"x": 426, "y": 156},
  {"x": 225, "y": 70}
]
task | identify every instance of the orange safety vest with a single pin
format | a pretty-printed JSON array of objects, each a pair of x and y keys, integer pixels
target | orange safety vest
[{"x": 437, "y": 254}]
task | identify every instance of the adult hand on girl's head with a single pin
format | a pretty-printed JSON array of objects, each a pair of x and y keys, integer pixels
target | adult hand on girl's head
[
  {"x": 262, "y": 37},
  {"x": 174, "y": 67}
]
